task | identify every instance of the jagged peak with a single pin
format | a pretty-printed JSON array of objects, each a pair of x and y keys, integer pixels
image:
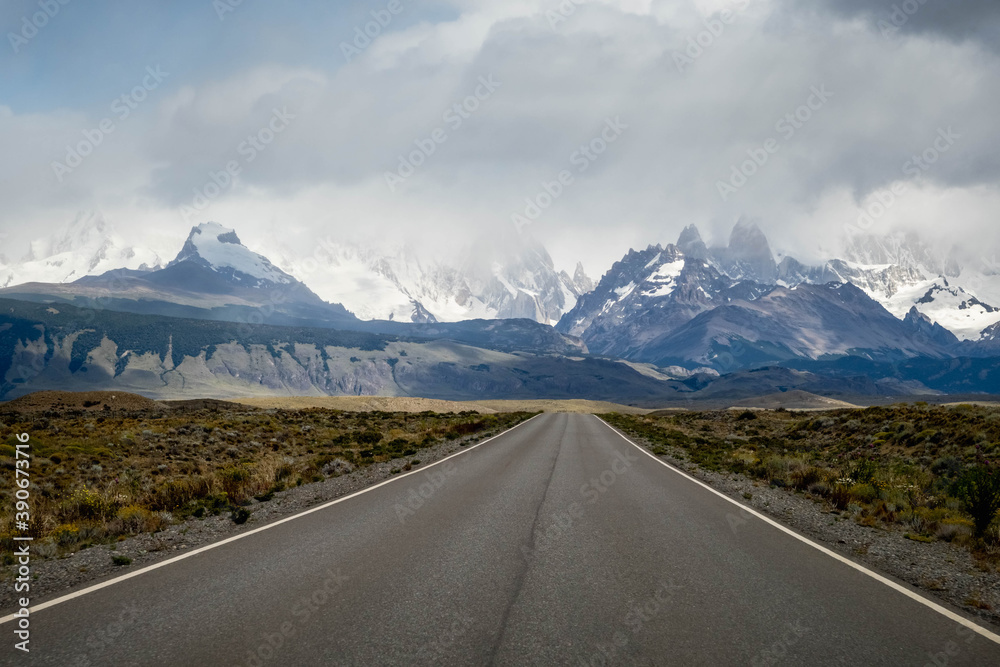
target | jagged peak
[
  {"x": 691, "y": 244},
  {"x": 206, "y": 231},
  {"x": 689, "y": 234},
  {"x": 746, "y": 228},
  {"x": 214, "y": 229},
  {"x": 220, "y": 248},
  {"x": 915, "y": 315}
]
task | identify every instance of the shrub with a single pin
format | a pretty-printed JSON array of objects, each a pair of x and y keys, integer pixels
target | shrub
[
  {"x": 121, "y": 560},
  {"x": 368, "y": 437},
  {"x": 775, "y": 469},
  {"x": 177, "y": 493},
  {"x": 337, "y": 466},
  {"x": 88, "y": 504},
  {"x": 864, "y": 493},
  {"x": 66, "y": 534},
  {"x": 240, "y": 515},
  {"x": 819, "y": 489},
  {"x": 950, "y": 531},
  {"x": 234, "y": 481},
  {"x": 46, "y": 549},
  {"x": 864, "y": 471},
  {"x": 979, "y": 490},
  {"x": 135, "y": 519},
  {"x": 806, "y": 477}
]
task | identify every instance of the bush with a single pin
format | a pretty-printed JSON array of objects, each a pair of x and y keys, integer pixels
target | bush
[
  {"x": 337, "y": 467},
  {"x": 89, "y": 504},
  {"x": 66, "y": 534},
  {"x": 864, "y": 471},
  {"x": 820, "y": 489},
  {"x": 368, "y": 437},
  {"x": 804, "y": 478},
  {"x": 979, "y": 490},
  {"x": 840, "y": 496},
  {"x": 121, "y": 560},
  {"x": 240, "y": 515},
  {"x": 135, "y": 519},
  {"x": 234, "y": 481},
  {"x": 864, "y": 493},
  {"x": 950, "y": 531}
]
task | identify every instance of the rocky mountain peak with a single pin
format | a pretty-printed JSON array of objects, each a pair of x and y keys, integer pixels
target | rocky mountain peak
[
  {"x": 583, "y": 282},
  {"x": 218, "y": 248},
  {"x": 691, "y": 243},
  {"x": 748, "y": 256}
]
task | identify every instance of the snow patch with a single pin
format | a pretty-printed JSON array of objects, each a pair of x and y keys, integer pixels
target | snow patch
[{"x": 221, "y": 248}]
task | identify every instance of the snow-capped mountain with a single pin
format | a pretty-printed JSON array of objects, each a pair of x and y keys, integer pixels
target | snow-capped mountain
[
  {"x": 88, "y": 246},
  {"x": 213, "y": 277},
  {"x": 650, "y": 293},
  {"x": 691, "y": 304},
  {"x": 902, "y": 272},
  {"x": 219, "y": 249},
  {"x": 748, "y": 255},
  {"x": 805, "y": 322},
  {"x": 498, "y": 278}
]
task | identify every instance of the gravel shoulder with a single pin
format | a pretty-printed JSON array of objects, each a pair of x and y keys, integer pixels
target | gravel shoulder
[
  {"x": 56, "y": 576},
  {"x": 943, "y": 572}
]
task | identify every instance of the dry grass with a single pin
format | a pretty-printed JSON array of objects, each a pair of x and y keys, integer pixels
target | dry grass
[
  {"x": 99, "y": 475},
  {"x": 413, "y": 404},
  {"x": 904, "y": 465},
  {"x": 365, "y": 404}
]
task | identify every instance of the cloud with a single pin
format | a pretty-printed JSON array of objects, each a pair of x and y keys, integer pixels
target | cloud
[
  {"x": 956, "y": 20},
  {"x": 699, "y": 97}
]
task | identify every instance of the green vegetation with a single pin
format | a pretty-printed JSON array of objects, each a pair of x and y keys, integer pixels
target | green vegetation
[
  {"x": 931, "y": 470},
  {"x": 100, "y": 476}
]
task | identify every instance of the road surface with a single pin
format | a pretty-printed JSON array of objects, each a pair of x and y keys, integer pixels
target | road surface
[{"x": 557, "y": 543}]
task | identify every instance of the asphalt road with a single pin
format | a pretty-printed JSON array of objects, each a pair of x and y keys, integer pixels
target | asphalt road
[{"x": 558, "y": 543}]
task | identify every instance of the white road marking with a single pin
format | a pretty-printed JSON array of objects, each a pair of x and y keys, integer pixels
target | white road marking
[
  {"x": 832, "y": 554},
  {"x": 149, "y": 568}
]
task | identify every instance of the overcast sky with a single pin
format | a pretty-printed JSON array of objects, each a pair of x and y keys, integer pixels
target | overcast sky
[{"x": 685, "y": 95}]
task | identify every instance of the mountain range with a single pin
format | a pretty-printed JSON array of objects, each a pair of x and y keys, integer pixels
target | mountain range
[
  {"x": 682, "y": 312},
  {"x": 734, "y": 306}
]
